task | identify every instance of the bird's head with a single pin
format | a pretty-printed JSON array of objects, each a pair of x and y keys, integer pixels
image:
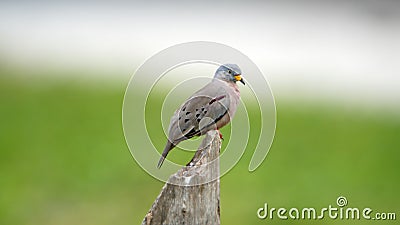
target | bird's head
[{"x": 229, "y": 73}]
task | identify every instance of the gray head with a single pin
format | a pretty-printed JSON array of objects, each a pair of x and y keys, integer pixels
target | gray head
[{"x": 229, "y": 73}]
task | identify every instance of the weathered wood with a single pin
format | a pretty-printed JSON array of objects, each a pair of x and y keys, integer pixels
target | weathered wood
[{"x": 191, "y": 195}]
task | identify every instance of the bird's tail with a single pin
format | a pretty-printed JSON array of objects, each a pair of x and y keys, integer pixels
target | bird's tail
[{"x": 167, "y": 148}]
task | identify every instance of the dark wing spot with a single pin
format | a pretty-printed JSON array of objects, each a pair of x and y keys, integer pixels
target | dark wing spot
[
  {"x": 186, "y": 120},
  {"x": 198, "y": 120},
  {"x": 192, "y": 133},
  {"x": 197, "y": 115},
  {"x": 179, "y": 118},
  {"x": 202, "y": 109},
  {"x": 187, "y": 113},
  {"x": 205, "y": 112},
  {"x": 197, "y": 110},
  {"x": 216, "y": 99},
  {"x": 184, "y": 129},
  {"x": 184, "y": 108}
]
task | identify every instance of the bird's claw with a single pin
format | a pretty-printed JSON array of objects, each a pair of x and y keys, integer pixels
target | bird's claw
[{"x": 220, "y": 135}]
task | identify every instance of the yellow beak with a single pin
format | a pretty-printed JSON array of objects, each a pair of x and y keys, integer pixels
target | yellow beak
[{"x": 239, "y": 78}]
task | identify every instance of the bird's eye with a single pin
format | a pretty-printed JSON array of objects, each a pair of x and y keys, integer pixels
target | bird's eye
[{"x": 229, "y": 71}]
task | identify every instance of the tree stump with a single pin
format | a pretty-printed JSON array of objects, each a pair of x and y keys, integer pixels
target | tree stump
[{"x": 191, "y": 195}]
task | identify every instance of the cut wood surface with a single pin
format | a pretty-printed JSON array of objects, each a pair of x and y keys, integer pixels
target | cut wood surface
[{"x": 191, "y": 195}]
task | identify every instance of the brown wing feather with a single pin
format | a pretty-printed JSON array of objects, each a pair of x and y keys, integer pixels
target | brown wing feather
[
  {"x": 197, "y": 115},
  {"x": 190, "y": 116}
]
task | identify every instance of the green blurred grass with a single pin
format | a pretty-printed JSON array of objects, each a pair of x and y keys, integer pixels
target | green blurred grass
[{"x": 64, "y": 160}]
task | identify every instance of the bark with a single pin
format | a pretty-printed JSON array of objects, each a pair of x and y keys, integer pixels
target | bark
[{"x": 191, "y": 195}]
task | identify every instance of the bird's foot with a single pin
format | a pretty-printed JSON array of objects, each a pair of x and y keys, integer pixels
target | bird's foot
[{"x": 220, "y": 135}]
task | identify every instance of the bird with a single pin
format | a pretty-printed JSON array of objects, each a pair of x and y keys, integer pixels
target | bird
[{"x": 210, "y": 108}]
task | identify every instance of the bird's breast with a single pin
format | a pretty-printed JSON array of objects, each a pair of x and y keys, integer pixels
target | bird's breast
[{"x": 234, "y": 93}]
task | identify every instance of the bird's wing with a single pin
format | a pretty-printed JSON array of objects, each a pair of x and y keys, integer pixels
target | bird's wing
[{"x": 199, "y": 113}]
